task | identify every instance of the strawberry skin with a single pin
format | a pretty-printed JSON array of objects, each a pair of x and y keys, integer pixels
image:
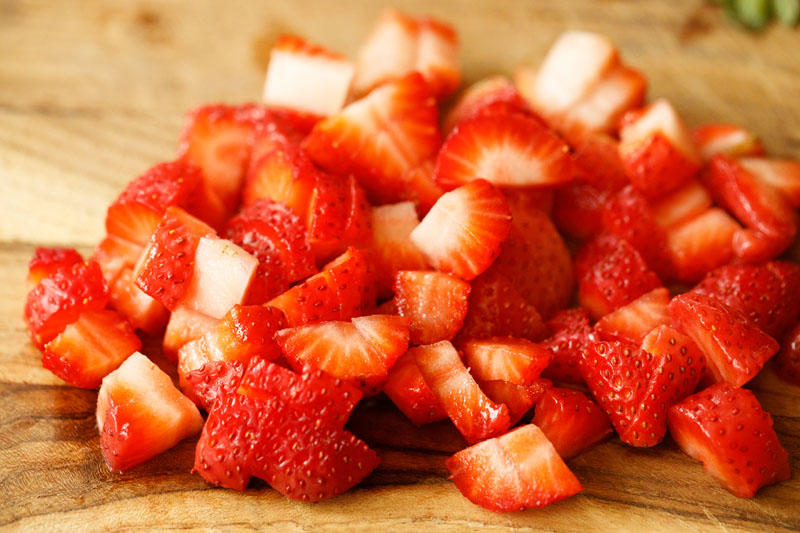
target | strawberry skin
[
  {"x": 434, "y": 302},
  {"x": 735, "y": 348},
  {"x": 571, "y": 422},
  {"x": 517, "y": 471},
  {"x": 407, "y": 389},
  {"x": 46, "y": 261},
  {"x": 787, "y": 362},
  {"x": 517, "y": 361},
  {"x": 213, "y": 381},
  {"x": 464, "y": 231},
  {"x": 726, "y": 428},
  {"x": 571, "y": 335},
  {"x": 632, "y": 322}
]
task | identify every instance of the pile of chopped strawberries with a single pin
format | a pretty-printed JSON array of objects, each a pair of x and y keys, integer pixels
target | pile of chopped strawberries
[{"x": 544, "y": 262}]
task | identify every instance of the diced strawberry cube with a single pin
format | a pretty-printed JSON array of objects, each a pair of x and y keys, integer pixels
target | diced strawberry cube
[
  {"x": 185, "y": 325},
  {"x": 391, "y": 249},
  {"x": 701, "y": 244},
  {"x": 46, "y": 261},
  {"x": 633, "y": 321},
  {"x": 571, "y": 334},
  {"x": 434, "y": 302}
]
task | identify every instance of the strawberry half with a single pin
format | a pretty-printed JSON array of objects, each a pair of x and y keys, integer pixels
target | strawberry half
[
  {"x": 632, "y": 322},
  {"x": 517, "y": 361},
  {"x": 726, "y": 428},
  {"x": 391, "y": 249},
  {"x": 434, "y": 302},
  {"x": 517, "y": 471},
  {"x": 46, "y": 261},
  {"x": 407, "y": 389},
  {"x": 571, "y": 335}
]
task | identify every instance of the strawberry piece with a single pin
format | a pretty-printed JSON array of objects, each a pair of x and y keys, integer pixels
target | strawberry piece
[
  {"x": 615, "y": 275},
  {"x": 524, "y": 200},
  {"x": 379, "y": 138},
  {"x": 571, "y": 335},
  {"x": 630, "y": 323},
  {"x": 517, "y": 398},
  {"x": 285, "y": 175},
  {"x": 495, "y": 95},
  {"x": 475, "y": 416},
  {"x": 435, "y": 304},
  {"x": 780, "y": 174},
  {"x": 701, "y": 244},
  {"x": 338, "y": 216},
  {"x": 391, "y": 249},
  {"x": 463, "y": 233},
  {"x": 46, "y": 261},
  {"x": 735, "y": 348},
  {"x": 141, "y": 414},
  {"x": 517, "y": 361},
  {"x": 60, "y": 298},
  {"x": 667, "y": 342},
  {"x": 657, "y": 149},
  {"x": 137, "y": 211},
  {"x": 142, "y": 311},
  {"x": 726, "y": 429},
  {"x": 787, "y": 362},
  {"x": 517, "y": 471},
  {"x": 363, "y": 349},
  {"x": 115, "y": 255},
  {"x": 185, "y": 325},
  {"x": 213, "y": 381},
  {"x": 726, "y": 139},
  {"x": 762, "y": 293},
  {"x": 681, "y": 205},
  {"x": 571, "y": 422},
  {"x": 90, "y": 348},
  {"x": 505, "y": 150},
  {"x": 420, "y": 187},
  {"x": 407, "y": 389},
  {"x": 597, "y": 161},
  {"x": 168, "y": 261},
  {"x": 307, "y": 77},
  {"x": 338, "y": 292}
]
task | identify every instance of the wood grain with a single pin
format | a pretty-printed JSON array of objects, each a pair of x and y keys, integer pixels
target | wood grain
[{"x": 93, "y": 93}]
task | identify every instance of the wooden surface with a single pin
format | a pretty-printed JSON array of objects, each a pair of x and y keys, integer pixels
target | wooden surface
[{"x": 92, "y": 93}]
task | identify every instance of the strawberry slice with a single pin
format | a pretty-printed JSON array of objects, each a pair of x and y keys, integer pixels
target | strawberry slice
[
  {"x": 285, "y": 175},
  {"x": 787, "y": 362},
  {"x": 726, "y": 428},
  {"x": 115, "y": 255},
  {"x": 495, "y": 95},
  {"x": 90, "y": 348},
  {"x": 475, "y": 416},
  {"x": 59, "y": 299},
  {"x": 391, "y": 249},
  {"x": 142, "y": 311},
  {"x": 407, "y": 389},
  {"x": 505, "y": 150},
  {"x": 517, "y": 398},
  {"x": 780, "y": 174},
  {"x": 307, "y": 77},
  {"x": 735, "y": 348},
  {"x": 46, "y": 261},
  {"x": 701, "y": 244},
  {"x": 517, "y": 361},
  {"x": 379, "y": 137},
  {"x": 571, "y": 335},
  {"x": 726, "y": 139},
  {"x": 464, "y": 231},
  {"x": 141, "y": 414},
  {"x": 681, "y": 205},
  {"x": 434, "y": 302},
  {"x": 517, "y": 471},
  {"x": 571, "y": 422},
  {"x": 632, "y": 322},
  {"x": 363, "y": 349},
  {"x": 185, "y": 325}
]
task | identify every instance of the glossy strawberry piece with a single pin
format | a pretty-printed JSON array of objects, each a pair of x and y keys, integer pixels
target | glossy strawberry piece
[
  {"x": 142, "y": 311},
  {"x": 407, "y": 389},
  {"x": 434, "y": 302},
  {"x": 571, "y": 422},
  {"x": 285, "y": 175},
  {"x": 701, "y": 244},
  {"x": 517, "y": 398},
  {"x": 571, "y": 335},
  {"x": 46, "y": 261},
  {"x": 391, "y": 249},
  {"x": 517, "y": 361},
  {"x": 338, "y": 217},
  {"x": 787, "y": 362},
  {"x": 184, "y": 325},
  {"x": 495, "y": 95},
  {"x": 632, "y": 322}
]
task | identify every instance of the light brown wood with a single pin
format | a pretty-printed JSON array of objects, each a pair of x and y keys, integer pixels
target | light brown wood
[{"x": 93, "y": 93}]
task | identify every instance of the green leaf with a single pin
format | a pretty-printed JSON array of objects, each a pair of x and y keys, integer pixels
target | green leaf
[{"x": 787, "y": 11}]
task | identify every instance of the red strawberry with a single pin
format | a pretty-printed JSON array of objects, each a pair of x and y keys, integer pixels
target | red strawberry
[
  {"x": 596, "y": 161},
  {"x": 142, "y": 311},
  {"x": 571, "y": 422},
  {"x": 420, "y": 186},
  {"x": 285, "y": 175},
  {"x": 407, "y": 389},
  {"x": 60, "y": 298},
  {"x": 185, "y": 325},
  {"x": 726, "y": 139},
  {"x": 681, "y": 205},
  {"x": 213, "y": 381},
  {"x": 532, "y": 199},
  {"x": 735, "y": 348},
  {"x": 115, "y": 255},
  {"x": 667, "y": 342},
  {"x": 495, "y": 95},
  {"x": 632, "y": 322},
  {"x": 726, "y": 429},
  {"x": 517, "y": 398},
  {"x": 517, "y": 471},
  {"x": 391, "y": 249},
  {"x": 475, "y": 416},
  {"x": 701, "y": 244},
  {"x": 780, "y": 174},
  {"x": 517, "y": 361},
  {"x": 167, "y": 263},
  {"x": 379, "y": 137},
  {"x": 46, "y": 261},
  {"x": 141, "y": 414},
  {"x": 90, "y": 348},
  {"x": 463, "y": 233},
  {"x": 571, "y": 335},
  {"x": 787, "y": 362},
  {"x": 434, "y": 302},
  {"x": 363, "y": 349}
]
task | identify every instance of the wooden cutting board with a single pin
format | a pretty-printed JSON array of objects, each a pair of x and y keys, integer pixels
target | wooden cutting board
[{"x": 93, "y": 93}]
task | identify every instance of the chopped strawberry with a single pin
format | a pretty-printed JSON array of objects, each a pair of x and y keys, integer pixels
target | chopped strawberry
[
  {"x": 530, "y": 199},
  {"x": 667, "y": 342},
  {"x": 141, "y": 414},
  {"x": 735, "y": 348},
  {"x": 657, "y": 149},
  {"x": 185, "y": 325},
  {"x": 633, "y": 321},
  {"x": 285, "y": 175},
  {"x": 597, "y": 161},
  {"x": 391, "y": 249},
  {"x": 307, "y": 77},
  {"x": 571, "y": 335},
  {"x": 681, "y": 205},
  {"x": 420, "y": 187},
  {"x": 505, "y": 150},
  {"x": 726, "y": 428},
  {"x": 787, "y": 362},
  {"x": 517, "y": 361},
  {"x": 115, "y": 255},
  {"x": 142, "y": 311},
  {"x": 701, "y": 244},
  {"x": 726, "y": 139},
  {"x": 363, "y": 349},
  {"x": 780, "y": 174},
  {"x": 407, "y": 389},
  {"x": 517, "y": 398},
  {"x": 90, "y": 348},
  {"x": 46, "y": 261},
  {"x": 495, "y": 95},
  {"x": 473, "y": 414},
  {"x": 434, "y": 302},
  {"x": 571, "y": 422},
  {"x": 578, "y": 210},
  {"x": 463, "y": 233},
  {"x": 517, "y": 471},
  {"x": 59, "y": 299},
  {"x": 379, "y": 137},
  {"x": 213, "y": 381}
]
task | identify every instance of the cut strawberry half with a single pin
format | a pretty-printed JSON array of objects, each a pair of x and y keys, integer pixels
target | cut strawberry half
[
  {"x": 517, "y": 361},
  {"x": 726, "y": 139},
  {"x": 517, "y": 471},
  {"x": 681, "y": 205},
  {"x": 571, "y": 335},
  {"x": 495, "y": 95},
  {"x": 519, "y": 399},
  {"x": 632, "y": 322},
  {"x": 701, "y": 244},
  {"x": 475, "y": 416},
  {"x": 464, "y": 231},
  {"x": 285, "y": 175},
  {"x": 141, "y": 414},
  {"x": 726, "y": 429},
  {"x": 391, "y": 249},
  {"x": 407, "y": 389},
  {"x": 46, "y": 261},
  {"x": 435, "y": 304}
]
